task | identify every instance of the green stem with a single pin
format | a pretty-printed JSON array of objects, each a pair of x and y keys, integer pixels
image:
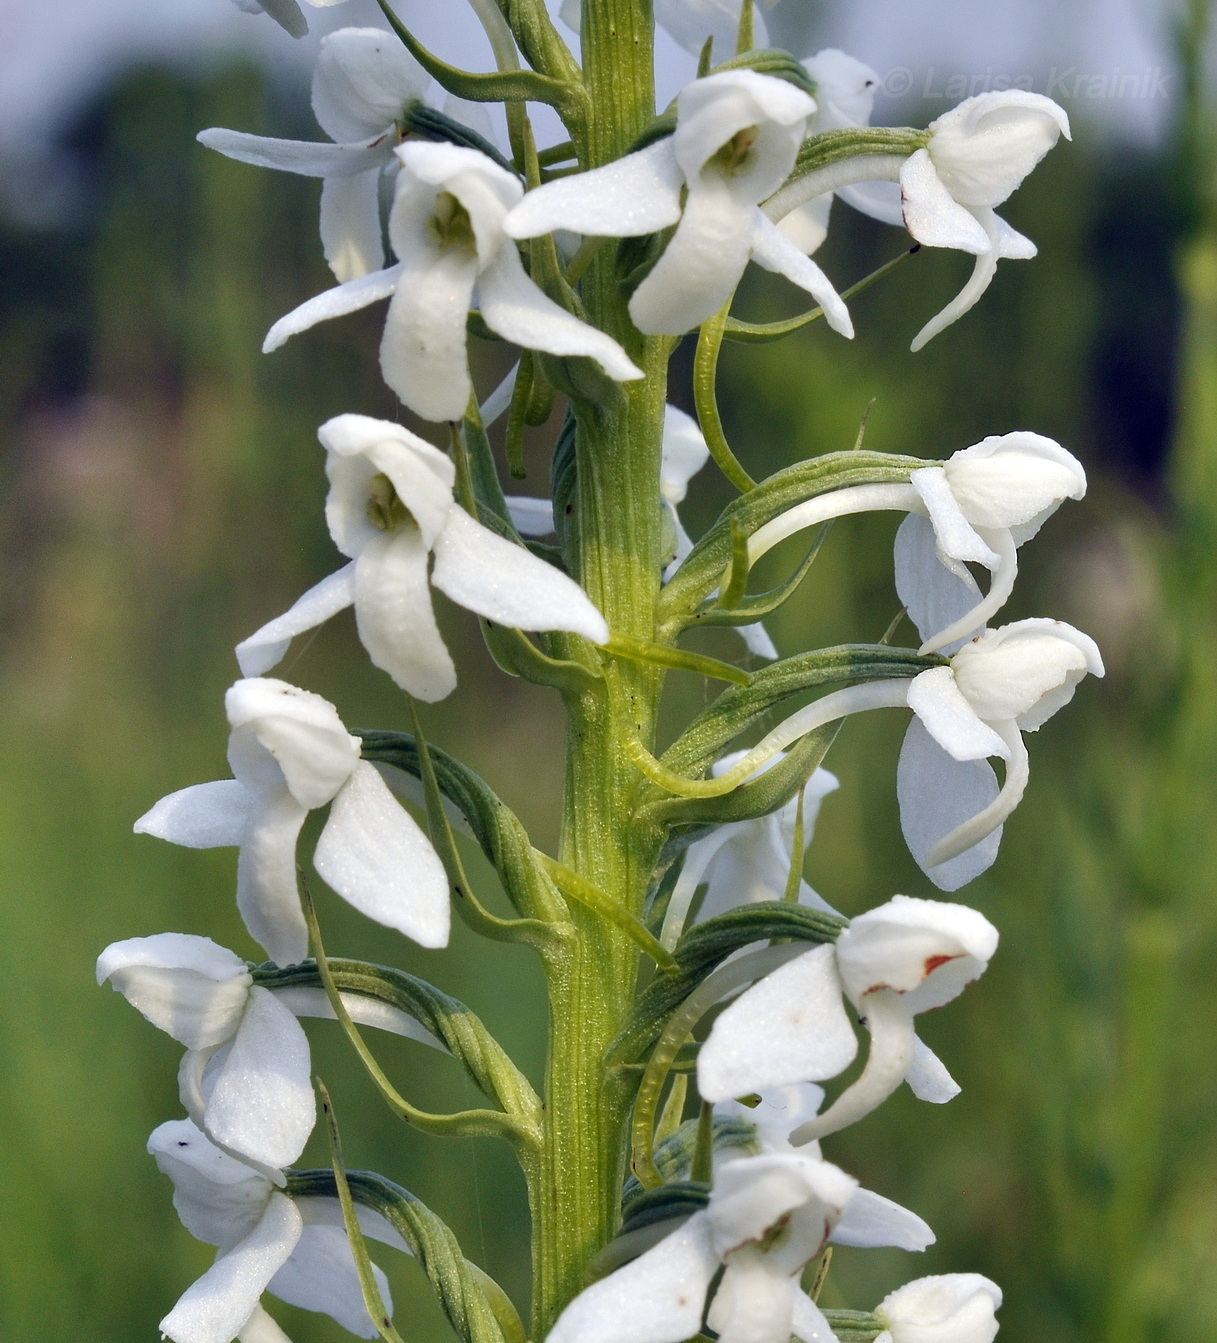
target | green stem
[{"x": 591, "y": 979}]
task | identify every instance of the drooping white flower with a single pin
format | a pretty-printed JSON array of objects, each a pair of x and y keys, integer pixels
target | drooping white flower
[
  {"x": 904, "y": 957},
  {"x": 869, "y": 1220},
  {"x": 286, "y": 13},
  {"x": 290, "y": 753},
  {"x": 767, "y": 1217},
  {"x": 743, "y": 862},
  {"x": 297, "y": 1249},
  {"x": 982, "y": 503},
  {"x": 390, "y": 508},
  {"x": 363, "y": 81},
  {"x": 950, "y": 1308},
  {"x": 978, "y": 155},
  {"x": 446, "y": 229},
  {"x": 845, "y": 98},
  {"x": 1006, "y": 682},
  {"x": 684, "y": 453},
  {"x": 245, "y": 1079},
  {"x": 737, "y": 134}
]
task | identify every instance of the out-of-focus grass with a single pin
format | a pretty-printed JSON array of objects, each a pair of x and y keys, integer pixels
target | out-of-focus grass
[{"x": 164, "y": 492}]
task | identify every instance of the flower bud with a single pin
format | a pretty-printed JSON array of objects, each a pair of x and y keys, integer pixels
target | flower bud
[{"x": 950, "y": 1308}]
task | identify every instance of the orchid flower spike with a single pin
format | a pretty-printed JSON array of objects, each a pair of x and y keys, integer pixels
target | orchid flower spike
[
  {"x": 982, "y": 504},
  {"x": 767, "y": 1217},
  {"x": 297, "y": 1249},
  {"x": 978, "y": 155},
  {"x": 905, "y": 957},
  {"x": 869, "y": 1220},
  {"x": 446, "y": 228},
  {"x": 845, "y": 99},
  {"x": 289, "y": 754},
  {"x": 390, "y": 508},
  {"x": 743, "y": 862},
  {"x": 683, "y": 455},
  {"x": 951, "y": 1308},
  {"x": 363, "y": 81},
  {"x": 245, "y": 1079},
  {"x": 737, "y": 135},
  {"x": 1006, "y": 682}
]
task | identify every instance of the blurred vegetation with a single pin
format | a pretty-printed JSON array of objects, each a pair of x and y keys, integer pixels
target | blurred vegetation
[{"x": 162, "y": 497}]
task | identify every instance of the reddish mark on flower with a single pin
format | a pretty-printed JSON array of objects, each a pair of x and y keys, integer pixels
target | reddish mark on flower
[{"x": 933, "y": 962}]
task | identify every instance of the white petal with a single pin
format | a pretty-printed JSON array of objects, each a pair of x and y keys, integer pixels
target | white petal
[
  {"x": 698, "y": 857},
  {"x": 956, "y": 536},
  {"x": 321, "y": 1276},
  {"x": 880, "y": 200},
  {"x": 218, "y": 1305},
  {"x": 204, "y": 816},
  {"x": 701, "y": 264},
  {"x": 931, "y": 213},
  {"x": 497, "y": 403},
  {"x": 757, "y": 641},
  {"x": 374, "y": 855},
  {"x": 658, "y": 1298},
  {"x": 973, "y": 831},
  {"x": 683, "y": 455},
  {"x": 261, "y": 1103},
  {"x": 262, "y": 1328},
  {"x": 267, "y": 895},
  {"x": 936, "y": 699},
  {"x": 790, "y": 1027},
  {"x": 350, "y": 225},
  {"x": 422, "y": 353},
  {"x": 266, "y": 647},
  {"x": 928, "y": 1078},
  {"x": 1026, "y": 670},
  {"x": 759, "y": 1194},
  {"x": 970, "y": 295},
  {"x": 690, "y": 22},
  {"x": 773, "y": 250},
  {"x": 505, "y": 583},
  {"x": 516, "y": 308},
  {"x": 937, "y": 794},
  {"x": 323, "y": 1210},
  {"x": 985, "y": 146},
  {"x": 308, "y": 158},
  {"x": 395, "y": 619},
  {"x": 362, "y": 80},
  {"x": 286, "y": 13},
  {"x": 871, "y": 1220},
  {"x": 189, "y": 987},
  {"x": 890, "y": 1023},
  {"x": 807, "y": 226},
  {"x": 808, "y": 1322},
  {"x": 936, "y": 593},
  {"x": 313, "y": 1002},
  {"x": 337, "y": 302},
  {"x": 529, "y": 516},
  {"x": 753, "y": 1303},
  {"x": 635, "y": 195},
  {"x": 950, "y": 1308}
]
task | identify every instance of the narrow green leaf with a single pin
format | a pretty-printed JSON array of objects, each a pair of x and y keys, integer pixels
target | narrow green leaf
[
  {"x": 516, "y": 654},
  {"x": 372, "y": 1300},
  {"x": 674, "y": 1158},
  {"x": 452, "y": 1276},
  {"x": 593, "y": 898},
  {"x": 705, "y": 375},
  {"x": 429, "y": 123},
  {"x": 854, "y": 1326},
  {"x": 663, "y": 655}
]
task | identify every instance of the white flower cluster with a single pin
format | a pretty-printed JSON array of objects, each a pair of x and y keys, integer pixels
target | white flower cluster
[{"x": 715, "y": 191}]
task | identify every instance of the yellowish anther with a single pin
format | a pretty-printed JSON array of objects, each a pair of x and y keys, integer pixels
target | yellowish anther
[
  {"x": 733, "y": 156},
  {"x": 451, "y": 222},
  {"x": 386, "y": 512}
]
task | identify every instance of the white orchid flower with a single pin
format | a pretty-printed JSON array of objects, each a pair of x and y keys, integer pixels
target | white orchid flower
[
  {"x": 743, "y": 862},
  {"x": 446, "y": 228},
  {"x": 297, "y": 1249},
  {"x": 286, "y": 13},
  {"x": 905, "y": 957},
  {"x": 983, "y": 503},
  {"x": 767, "y": 1217},
  {"x": 976, "y": 156},
  {"x": 869, "y": 1220},
  {"x": 737, "y": 135},
  {"x": 390, "y": 508},
  {"x": 683, "y": 454},
  {"x": 289, "y": 754},
  {"x": 845, "y": 98},
  {"x": 245, "y": 1079},
  {"x": 950, "y": 1308},
  {"x": 1001, "y": 684},
  {"x": 363, "y": 80}
]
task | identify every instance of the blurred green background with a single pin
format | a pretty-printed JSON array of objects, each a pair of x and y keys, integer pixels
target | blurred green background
[{"x": 162, "y": 497}]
